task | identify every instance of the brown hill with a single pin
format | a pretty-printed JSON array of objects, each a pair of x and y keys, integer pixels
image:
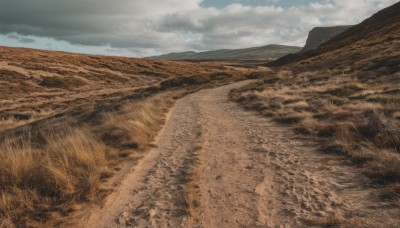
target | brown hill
[
  {"x": 372, "y": 44},
  {"x": 272, "y": 51},
  {"x": 320, "y": 35},
  {"x": 70, "y": 122},
  {"x": 344, "y": 96},
  {"x": 35, "y": 84}
]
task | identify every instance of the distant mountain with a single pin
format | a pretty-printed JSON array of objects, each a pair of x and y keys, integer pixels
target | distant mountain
[
  {"x": 268, "y": 52},
  {"x": 320, "y": 35},
  {"x": 373, "y": 44}
]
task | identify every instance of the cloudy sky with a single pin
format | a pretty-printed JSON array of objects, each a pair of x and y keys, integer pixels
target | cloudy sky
[{"x": 150, "y": 27}]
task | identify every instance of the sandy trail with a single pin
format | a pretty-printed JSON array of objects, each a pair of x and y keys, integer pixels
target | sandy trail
[{"x": 217, "y": 165}]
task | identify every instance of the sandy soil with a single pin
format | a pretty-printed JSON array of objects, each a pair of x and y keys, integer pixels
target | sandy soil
[{"x": 217, "y": 165}]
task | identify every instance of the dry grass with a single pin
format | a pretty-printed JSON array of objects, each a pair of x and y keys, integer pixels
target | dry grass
[
  {"x": 9, "y": 122},
  {"x": 46, "y": 83},
  {"x": 135, "y": 124},
  {"x": 34, "y": 178},
  {"x": 45, "y": 172},
  {"x": 48, "y": 163},
  {"x": 345, "y": 112}
]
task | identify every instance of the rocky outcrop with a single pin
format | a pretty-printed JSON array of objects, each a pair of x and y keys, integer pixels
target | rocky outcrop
[
  {"x": 319, "y": 35},
  {"x": 372, "y": 44}
]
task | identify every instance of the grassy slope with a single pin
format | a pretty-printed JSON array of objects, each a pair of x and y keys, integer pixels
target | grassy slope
[
  {"x": 44, "y": 173},
  {"x": 344, "y": 96},
  {"x": 38, "y": 84},
  {"x": 67, "y": 121},
  {"x": 368, "y": 46}
]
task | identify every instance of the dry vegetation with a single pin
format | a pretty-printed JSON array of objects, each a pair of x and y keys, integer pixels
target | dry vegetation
[
  {"x": 368, "y": 46},
  {"x": 355, "y": 114},
  {"x": 68, "y": 122},
  {"x": 344, "y": 96},
  {"x": 45, "y": 173},
  {"x": 38, "y": 84}
]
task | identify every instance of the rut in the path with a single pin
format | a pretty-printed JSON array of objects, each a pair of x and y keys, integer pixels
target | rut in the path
[
  {"x": 217, "y": 165},
  {"x": 162, "y": 198}
]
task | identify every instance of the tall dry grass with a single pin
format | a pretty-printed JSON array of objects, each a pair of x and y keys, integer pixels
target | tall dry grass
[
  {"x": 135, "y": 124},
  {"x": 46, "y": 171},
  {"x": 7, "y": 123},
  {"x": 34, "y": 178}
]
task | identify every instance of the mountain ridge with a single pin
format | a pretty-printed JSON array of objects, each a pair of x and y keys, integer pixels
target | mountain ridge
[
  {"x": 267, "y": 52},
  {"x": 374, "y": 38}
]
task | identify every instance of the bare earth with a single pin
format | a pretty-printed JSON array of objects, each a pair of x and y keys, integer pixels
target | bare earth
[{"x": 217, "y": 165}]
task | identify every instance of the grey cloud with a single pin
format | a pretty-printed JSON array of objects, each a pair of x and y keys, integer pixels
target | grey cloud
[
  {"x": 13, "y": 36},
  {"x": 231, "y": 28},
  {"x": 21, "y": 39},
  {"x": 119, "y": 23},
  {"x": 26, "y": 40},
  {"x": 149, "y": 26}
]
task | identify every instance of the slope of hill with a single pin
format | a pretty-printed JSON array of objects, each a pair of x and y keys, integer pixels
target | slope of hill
[
  {"x": 36, "y": 84},
  {"x": 344, "y": 97},
  {"x": 319, "y": 35},
  {"x": 257, "y": 53},
  {"x": 372, "y": 44},
  {"x": 68, "y": 122},
  {"x": 71, "y": 127}
]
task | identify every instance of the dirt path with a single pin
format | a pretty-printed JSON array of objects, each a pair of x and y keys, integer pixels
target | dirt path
[{"x": 217, "y": 165}]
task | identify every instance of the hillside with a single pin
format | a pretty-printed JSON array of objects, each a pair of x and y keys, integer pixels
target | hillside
[
  {"x": 344, "y": 98},
  {"x": 372, "y": 44},
  {"x": 319, "y": 35},
  {"x": 35, "y": 84},
  {"x": 70, "y": 122},
  {"x": 313, "y": 140},
  {"x": 257, "y": 53}
]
